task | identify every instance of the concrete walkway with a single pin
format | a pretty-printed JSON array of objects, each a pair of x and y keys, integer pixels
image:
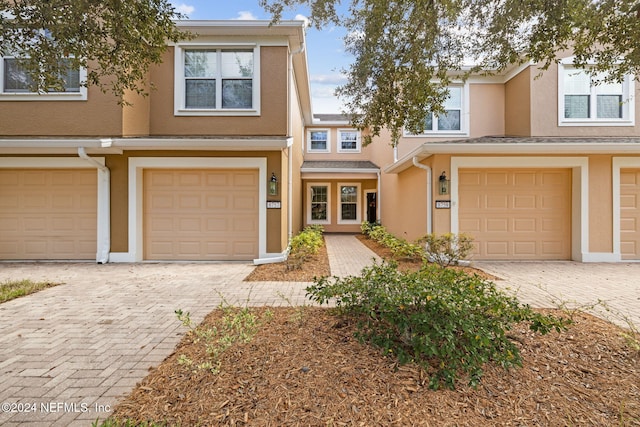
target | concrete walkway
[{"x": 69, "y": 352}]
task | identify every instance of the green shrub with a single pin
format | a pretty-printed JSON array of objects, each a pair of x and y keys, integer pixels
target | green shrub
[
  {"x": 445, "y": 320},
  {"x": 303, "y": 245},
  {"x": 446, "y": 249}
]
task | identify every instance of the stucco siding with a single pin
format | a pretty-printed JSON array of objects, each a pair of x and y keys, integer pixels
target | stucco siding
[{"x": 272, "y": 120}]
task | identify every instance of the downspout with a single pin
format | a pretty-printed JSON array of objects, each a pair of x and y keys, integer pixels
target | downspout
[
  {"x": 104, "y": 207},
  {"x": 419, "y": 165},
  {"x": 379, "y": 201},
  {"x": 290, "y": 150}
]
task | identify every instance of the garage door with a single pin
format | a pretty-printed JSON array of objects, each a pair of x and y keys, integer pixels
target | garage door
[
  {"x": 200, "y": 214},
  {"x": 630, "y": 213},
  {"x": 48, "y": 214},
  {"x": 523, "y": 214}
]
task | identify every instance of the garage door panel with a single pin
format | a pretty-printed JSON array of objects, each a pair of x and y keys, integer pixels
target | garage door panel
[
  {"x": 630, "y": 214},
  {"x": 524, "y": 201},
  {"x": 201, "y": 214},
  {"x": 48, "y": 214},
  {"x": 526, "y": 213}
]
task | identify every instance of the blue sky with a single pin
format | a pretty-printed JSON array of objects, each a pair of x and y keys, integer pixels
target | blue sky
[{"x": 325, "y": 49}]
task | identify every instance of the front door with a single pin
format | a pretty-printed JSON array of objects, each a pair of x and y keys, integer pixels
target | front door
[{"x": 372, "y": 207}]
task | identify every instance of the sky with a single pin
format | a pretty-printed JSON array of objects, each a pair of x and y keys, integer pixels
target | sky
[{"x": 325, "y": 48}]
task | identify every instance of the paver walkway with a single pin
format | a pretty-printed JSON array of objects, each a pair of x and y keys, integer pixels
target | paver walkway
[{"x": 69, "y": 352}]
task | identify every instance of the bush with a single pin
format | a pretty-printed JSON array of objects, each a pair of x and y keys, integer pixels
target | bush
[
  {"x": 445, "y": 320},
  {"x": 446, "y": 249},
  {"x": 303, "y": 245}
]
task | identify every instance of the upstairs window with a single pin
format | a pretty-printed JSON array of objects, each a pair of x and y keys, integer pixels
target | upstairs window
[
  {"x": 589, "y": 100},
  {"x": 454, "y": 120},
  {"x": 16, "y": 83},
  {"x": 216, "y": 80},
  {"x": 318, "y": 141},
  {"x": 348, "y": 141}
]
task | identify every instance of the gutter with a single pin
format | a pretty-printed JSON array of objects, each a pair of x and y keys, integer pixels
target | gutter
[
  {"x": 419, "y": 165},
  {"x": 104, "y": 207}
]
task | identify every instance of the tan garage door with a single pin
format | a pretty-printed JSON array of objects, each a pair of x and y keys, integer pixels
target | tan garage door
[
  {"x": 630, "y": 213},
  {"x": 523, "y": 214},
  {"x": 48, "y": 214},
  {"x": 200, "y": 214}
]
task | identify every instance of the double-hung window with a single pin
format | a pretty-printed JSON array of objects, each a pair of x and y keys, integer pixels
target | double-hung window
[
  {"x": 348, "y": 141},
  {"x": 216, "y": 80},
  {"x": 588, "y": 99},
  {"x": 349, "y": 212},
  {"x": 318, "y": 140},
  {"x": 16, "y": 83},
  {"x": 454, "y": 120},
  {"x": 319, "y": 197}
]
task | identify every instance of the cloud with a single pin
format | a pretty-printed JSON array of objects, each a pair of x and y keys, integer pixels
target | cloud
[
  {"x": 328, "y": 79},
  {"x": 185, "y": 9},
  {"x": 300, "y": 17},
  {"x": 246, "y": 15}
]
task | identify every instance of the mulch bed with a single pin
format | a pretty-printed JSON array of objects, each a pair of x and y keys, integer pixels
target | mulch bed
[
  {"x": 305, "y": 368},
  {"x": 316, "y": 266}
]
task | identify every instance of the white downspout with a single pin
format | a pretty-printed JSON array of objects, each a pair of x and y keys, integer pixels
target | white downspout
[
  {"x": 417, "y": 164},
  {"x": 379, "y": 201},
  {"x": 104, "y": 207},
  {"x": 290, "y": 149}
]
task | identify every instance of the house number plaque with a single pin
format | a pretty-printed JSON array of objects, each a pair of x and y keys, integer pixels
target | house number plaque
[{"x": 443, "y": 204}]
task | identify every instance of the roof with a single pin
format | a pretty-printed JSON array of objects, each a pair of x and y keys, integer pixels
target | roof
[
  {"x": 337, "y": 166},
  {"x": 520, "y": 145},
  {"x": 324, "y": 118}
]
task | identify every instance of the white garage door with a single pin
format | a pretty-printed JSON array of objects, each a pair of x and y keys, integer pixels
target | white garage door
[
  {"x": 48, "y": 214},
  {"x": 200, "y": 214},
  {"x": 522, "y": 214},
  {"x": 630, "y": 213}
]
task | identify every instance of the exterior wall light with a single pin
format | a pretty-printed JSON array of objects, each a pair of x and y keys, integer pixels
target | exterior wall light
[
  {"x": 273, "y": 185},
  {"x": 443, "y": 184}
]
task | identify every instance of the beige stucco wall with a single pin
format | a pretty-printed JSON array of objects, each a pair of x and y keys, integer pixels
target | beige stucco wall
[
  {"x": 600, "y": 204},
  {"x": 486, "y": 109},
  {"x": 100, "y": 115},
  {"x": 272, "y": 120},
  {"x": 135, "y": 114},
  {"x": 517, "y": 112}
]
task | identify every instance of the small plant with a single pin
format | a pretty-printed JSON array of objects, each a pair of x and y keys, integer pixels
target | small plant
[
  {"x": 303, "y": 245},
  {"x": 12, "y": 289},
  {"x": 236, "y": 325},
  {"x": 447, "y": 321},
  {"x": 446, "y": 249}
]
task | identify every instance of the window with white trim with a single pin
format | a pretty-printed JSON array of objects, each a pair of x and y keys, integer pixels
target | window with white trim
[
  {"x": 349, "y": 204},
  {"x": 16, "y": 82},
  {"x": 319, "y": 199},
  {"x": 318, "y": 140},
  {"x": 216, "y": 80},
  {"x": 348, "y": 141},
  {"x": 454, "y": 121},
  {"x": 587, "y": 99}
]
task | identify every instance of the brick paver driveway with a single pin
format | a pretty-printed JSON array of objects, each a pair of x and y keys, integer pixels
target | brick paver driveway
[
  {"x": 545, "y": 284},
  {"x": 72, "y": 350}
]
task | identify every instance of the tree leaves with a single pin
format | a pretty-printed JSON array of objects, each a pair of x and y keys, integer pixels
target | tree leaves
[
  {"x": 115, "y": 40},
  {"x": 407, "y": 51}
]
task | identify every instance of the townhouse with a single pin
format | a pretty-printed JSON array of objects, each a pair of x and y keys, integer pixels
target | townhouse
[
  {"x": 225, "y": 161},
  {"x": 205, "y": 168}
]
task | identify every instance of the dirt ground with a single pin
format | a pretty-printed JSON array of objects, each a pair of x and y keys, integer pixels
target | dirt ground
[{"x": 303, "y": 367}]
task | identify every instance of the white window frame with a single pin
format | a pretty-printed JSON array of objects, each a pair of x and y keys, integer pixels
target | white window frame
[
  {"x": 349, "y": 150},
  {"x": 310, "y": 202},
  {"x": 180, "y": 87},
  {"x": 464, "y": 118},
  {"x": 81, "y": 95},
  {"x": 314, "y": 150},
  {"x": 628, "y": 102},
  {"x": 358, "y": 219}
]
